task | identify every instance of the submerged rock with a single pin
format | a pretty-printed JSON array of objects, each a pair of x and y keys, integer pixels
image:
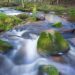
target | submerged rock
[
  {"x": 52, "y": 43},
  {"x": 5, "y": 46},
  {"x": 59, "y": 59}
]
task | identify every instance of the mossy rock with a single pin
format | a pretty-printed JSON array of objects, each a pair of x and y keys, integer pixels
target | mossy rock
[
  {"x": 5, "y": 46},
  {"x": 52, "y": 43},
  {"x": 60, "y": 42},
  {"x": 48, "y": 69},
  {"x": 31, "y": 19},
  {"x": 8, "y": 22},
  {"x": 57, "y": 25},
  {"x": 23, "y": 16},
  {"x": 44, "y": 43}
]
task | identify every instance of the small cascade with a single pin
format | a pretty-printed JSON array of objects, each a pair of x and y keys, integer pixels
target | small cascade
[
  {"x": 25, "y": 49},
  {"x": 15, "y": 38},
  {"x": 31, "y": 49},
  {"x": 17, "y": 33},
  {"x": 72, "y": 51},
  {"x": 71, "y": 56}
]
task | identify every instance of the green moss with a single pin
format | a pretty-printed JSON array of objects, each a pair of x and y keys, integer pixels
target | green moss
[
  {"x": 16, "y": 20},
  {"x": 8, "y": 22},
  {"x": 51, "y": 43},
  {"x": 5, "y": 46},
  {"x": 44, "y": 8},
  {"x": 61, "y": 42},
  {"x": 3, "y": 16},
  {"x": 49, "y": 70},
  {"x": 47, "y": 8},
  {"x": 45, "y": 43},
  {"x": 23, "y": 16},
  {"x": 41, "y": 7},
  {"x": 57, "y": 25},
  {"x": 26, "y": 9}
]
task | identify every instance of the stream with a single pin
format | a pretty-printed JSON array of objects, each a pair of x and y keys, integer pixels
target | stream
[{"x": 24, "y": 59}]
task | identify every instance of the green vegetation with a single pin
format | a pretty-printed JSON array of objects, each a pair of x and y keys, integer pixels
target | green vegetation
[
  {"x": 41, "y": 7},
  {"x": 45, "y": 43},
  {"x": 51, "y": 2},
  {"x": 59, "y": 9},
  {"x": 33, "y": 17},
  {"x": 25, "y": 9},
  {"x": 5, "y": 46},
  {"x": 29, "y": 18},
  {"x": 33, "y": 7},
  {"x": 7, "y": 22},
  {"x": 49, "y": 70},
  {"x": 52, "y": 43},
  {"x": 34, "y": 11},
  {"x": 57, "y": 25},
  {"x": 46, "y": 7},
  {"x": 23, "y": 16},
  {"x": 60, "y": 42}
]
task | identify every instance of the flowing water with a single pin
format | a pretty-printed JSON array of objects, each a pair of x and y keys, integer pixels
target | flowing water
[
  {"x": 24, "y": 58},
  {"x": 9, "y": 11}
]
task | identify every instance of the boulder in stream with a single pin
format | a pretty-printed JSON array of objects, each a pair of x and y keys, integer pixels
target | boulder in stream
[
  {"x": 52, "y": 43},
  {"x": 48, "y": 70}
]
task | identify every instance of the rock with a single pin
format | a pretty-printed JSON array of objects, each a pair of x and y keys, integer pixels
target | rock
[
  {"x": 52, "y": 43},
  {"x": 40, "y": 16},
  {"x": 59, "y": 59},
  {"x": 5, "y": 46},
  {"x": 48, "y": 69},
  {"x": 44, "y": 43},
  {"x": 58, "y": 25}
]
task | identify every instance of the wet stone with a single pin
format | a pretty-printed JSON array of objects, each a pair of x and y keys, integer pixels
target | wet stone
[{"x": 59, "y": 59}]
